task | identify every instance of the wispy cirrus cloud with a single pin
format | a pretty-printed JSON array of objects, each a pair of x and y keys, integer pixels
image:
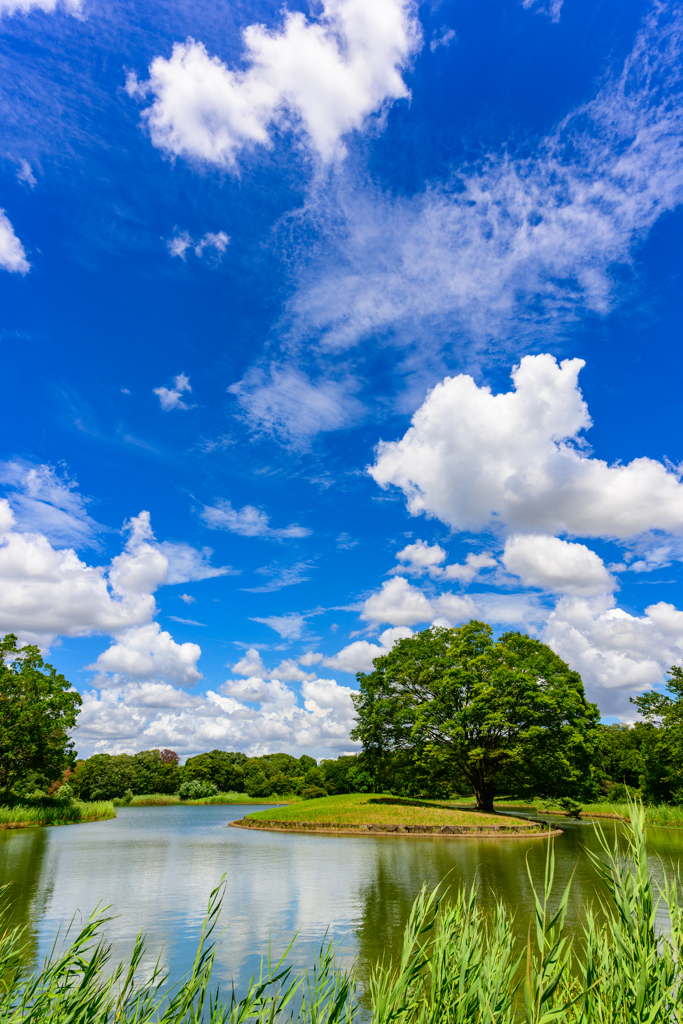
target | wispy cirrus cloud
[
  {"x": 511, "y": 250},
  {"x": 282, "y": 576},
  {"x": 248, "y": 521}
]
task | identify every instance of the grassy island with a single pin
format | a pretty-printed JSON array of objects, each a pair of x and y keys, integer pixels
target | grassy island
[{"x": 367, "y": 812}]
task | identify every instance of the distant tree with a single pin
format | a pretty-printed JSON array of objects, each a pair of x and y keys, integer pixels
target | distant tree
[
  {"x": 662, "y": 752},
  {"x": 103, "y": 777},
  {"x": 38, "y": 708},
  {"x": 507, "y": 713},
  {"x": 169, "y": 756},
  {"x": 224, "y": 768}
]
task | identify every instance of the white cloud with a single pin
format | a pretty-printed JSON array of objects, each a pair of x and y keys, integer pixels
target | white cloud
[
  {"x": 189, "y": 565},
  {"x": 471, "y": 567},
  {"x": 9, "y": 7},
  {"x": 187, "y": 598},
  {"x": 289, "y": 626},
  {"x": 512, "y": 248},
  {"x": 146, "y": 652},
  {"x": 553, "y": 8},
  {"x": 445, "y": 39},
  {"x": 397, "y": 603},
  {"x": 617, "y": 654},
  {"x": 132, "y": 717},
  {"x": 247, "y": 521},
  {"x": 186, "y": 622},
  {"x": 514, "y": 461},
  {"x": 556, "y": 565},
  {"x": 179, "y": 243},
  {"x": 47, "y": 592},
  {"x": 285, "y": 402},
  {"x": 310, "y": 658},
  {"x": 322, "y": 78},
  {"x": 24, "y": 173},
  {"x": 422, "y": 555},
  {"x": 45, "y": 501},
  {"x": 251, "y": 665},
  {"x": 12, "y": 252},
  {"x": 358, "y": 656},
  {"x": 171, "y": 398}
]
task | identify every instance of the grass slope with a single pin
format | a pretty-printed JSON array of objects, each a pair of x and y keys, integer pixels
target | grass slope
[
  {"x": 66, "y": 814},
  {"x": 658, "y": 816},
  {"x": 369, "y": 808}
]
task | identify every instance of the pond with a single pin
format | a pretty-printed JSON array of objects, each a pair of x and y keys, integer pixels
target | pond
[{"x": 156, "y": 866}]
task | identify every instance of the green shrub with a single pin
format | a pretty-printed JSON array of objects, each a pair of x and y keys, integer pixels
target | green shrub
[
  {"x": 313, "y": 793},
  {"x": 196, "y": 790}
]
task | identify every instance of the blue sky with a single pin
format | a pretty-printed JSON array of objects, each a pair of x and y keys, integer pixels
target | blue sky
[{"x": 324, "y": 323}]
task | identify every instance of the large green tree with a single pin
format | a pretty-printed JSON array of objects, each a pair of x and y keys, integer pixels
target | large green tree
[
  {"x": 506, "y": 713},
  {"x": 38, "y": 708}
]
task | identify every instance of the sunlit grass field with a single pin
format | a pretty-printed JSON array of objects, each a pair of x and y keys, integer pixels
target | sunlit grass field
[
  {"x": 369, "y": 808},
  {"x": 64, "y": 814},
  {"x": 661, "y": 815}
]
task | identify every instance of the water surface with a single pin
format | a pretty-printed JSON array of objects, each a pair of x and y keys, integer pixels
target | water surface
[{"x": 156, "y": 867}]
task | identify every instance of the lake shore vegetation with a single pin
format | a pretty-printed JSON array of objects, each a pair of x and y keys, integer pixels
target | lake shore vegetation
[
  {"x": 59, "y": 813},
  {"x": 457, "y": 963}
]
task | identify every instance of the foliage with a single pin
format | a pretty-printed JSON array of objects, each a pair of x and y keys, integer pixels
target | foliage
[
  {"x": 38, "y": 709},
  {"x": 570, "y": 806},
  {"x": 501, "y": 714},
  {"x": 193, "y": 789},
  {"x": 662, "y": 755},
  {"x": 221, "y": 767},
  {"x": 106, "y": 776},
  {"x": 313, "y": 793}
]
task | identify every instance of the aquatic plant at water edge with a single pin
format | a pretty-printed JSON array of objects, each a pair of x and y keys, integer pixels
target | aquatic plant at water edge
[{"x": 457, "y": 965}]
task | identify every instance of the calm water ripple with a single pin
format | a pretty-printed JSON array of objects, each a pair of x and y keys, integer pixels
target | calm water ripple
[{"x": 157, "y": 865}]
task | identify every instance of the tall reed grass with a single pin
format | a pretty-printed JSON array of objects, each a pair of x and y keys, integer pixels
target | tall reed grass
[
  {"x": 457, "y": 965},
  {"x": 24, "y": 816}
]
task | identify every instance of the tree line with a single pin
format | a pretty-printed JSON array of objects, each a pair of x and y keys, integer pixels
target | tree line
[{"x": 445, "y": 712}]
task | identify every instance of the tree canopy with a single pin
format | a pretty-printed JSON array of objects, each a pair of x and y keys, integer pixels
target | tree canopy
[
  {"x": 504, "y": 713},
  {"x": 38, "y": 708},
  {"x": 662, "y": 756}
]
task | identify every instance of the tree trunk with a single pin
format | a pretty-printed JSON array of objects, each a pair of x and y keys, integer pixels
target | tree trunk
[{"x": 484, "y": 793}]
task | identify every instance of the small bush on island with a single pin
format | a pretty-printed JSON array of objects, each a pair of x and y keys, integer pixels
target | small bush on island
[{"x": 457, "y": 963}]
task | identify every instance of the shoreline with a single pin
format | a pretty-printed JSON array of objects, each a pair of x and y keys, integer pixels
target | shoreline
[{"x": 400, "y": 832}]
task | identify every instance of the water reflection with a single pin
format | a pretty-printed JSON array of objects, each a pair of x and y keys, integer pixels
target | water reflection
[{"x": 157, "y": 866}]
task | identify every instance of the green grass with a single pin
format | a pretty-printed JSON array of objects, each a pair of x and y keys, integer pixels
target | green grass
[
  {"x": 163, "y": 799},
  {"x": 457, "y": 965},
  {"x": 66, "y": 814},
  {"x": 369, "y": 808},
  {"x": 661, "y": 815}
]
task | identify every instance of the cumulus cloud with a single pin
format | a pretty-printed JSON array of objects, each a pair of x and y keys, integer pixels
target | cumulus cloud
[
  {"x": 321, "y": 78},
  {"x": 284, "y": 401},
  {"x": 422, "y": 558},
  {"x": 251, "y": 665},
  {"x": 556, "y": 565},
  {"x": 512, "y": 248},
  {"x": 47, "y": 592},
  {"x": 179, "y": 244},
  {"x": 247, "y": 521},
  {"x": 514, "y": 461},
  {"x": 359, "y": 655},
  {"x": 171, "y": 398},
  {"x": 617, "y": 654},
  {"x": 146, "y": 652},
  {"x": 12, "y": 252},
  {"x": 422, "y": 555},
  {"x": 127, "y": 716}
]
